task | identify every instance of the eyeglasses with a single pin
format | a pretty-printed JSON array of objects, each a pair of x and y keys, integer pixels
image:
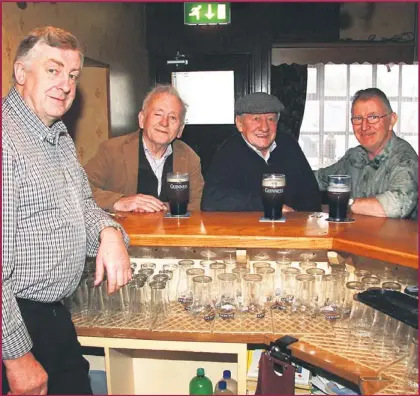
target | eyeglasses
[{"x": 372, "y": 119}]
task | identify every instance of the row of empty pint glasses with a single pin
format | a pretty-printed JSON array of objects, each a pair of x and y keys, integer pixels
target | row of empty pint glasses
[{"x": 208, "y": 289}]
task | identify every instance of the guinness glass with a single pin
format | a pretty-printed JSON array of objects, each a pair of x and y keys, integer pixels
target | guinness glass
[
  {"x": 178, "y": 189},
  {"x": 339, "y": 187},
  {"x": 273, "y": 186}
]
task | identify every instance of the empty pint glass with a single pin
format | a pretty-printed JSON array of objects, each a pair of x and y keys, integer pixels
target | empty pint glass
[
  {"x": 339, "y": 187},
  {"x": 178, "y": 189},
  {"x": 273, "y": 186}
]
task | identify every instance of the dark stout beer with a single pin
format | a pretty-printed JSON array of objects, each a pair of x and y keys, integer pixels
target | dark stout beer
[
  {"x": 338, "y": 197},
  {"x": 178, "y": 188},
  {"x": 273, "y": 196}
]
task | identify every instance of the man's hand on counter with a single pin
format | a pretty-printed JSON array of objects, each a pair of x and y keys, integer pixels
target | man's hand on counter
[
  {"x": 139, "y": 203},
  {"x": 113, "y": 258}
]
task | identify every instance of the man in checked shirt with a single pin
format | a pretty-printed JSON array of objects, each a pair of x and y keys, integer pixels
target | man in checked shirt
[{"x": 50, "y": 222}]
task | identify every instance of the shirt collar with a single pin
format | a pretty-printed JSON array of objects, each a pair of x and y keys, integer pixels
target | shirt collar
[
  {"x": 270, "y": 149},
  {"x": 49, "y": 134},
  {"x": 165, "y": 155}
]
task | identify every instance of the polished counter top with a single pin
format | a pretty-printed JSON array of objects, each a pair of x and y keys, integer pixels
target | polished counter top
[{"x": 391, "y": 240}]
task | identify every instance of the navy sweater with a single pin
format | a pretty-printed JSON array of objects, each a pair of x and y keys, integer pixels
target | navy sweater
[{"x": 233, "y": 181}]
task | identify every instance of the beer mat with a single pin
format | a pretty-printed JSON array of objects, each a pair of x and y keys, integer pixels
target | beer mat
[
  {"x": 341, "y": 221},
  {"x": 170, "y": 216},
  {"x": 264, "y": 220}
]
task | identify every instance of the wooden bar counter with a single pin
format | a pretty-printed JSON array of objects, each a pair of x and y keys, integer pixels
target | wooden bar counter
[
  {"x": 129, "y": 346},
  {"x": 391, "y": 240}
]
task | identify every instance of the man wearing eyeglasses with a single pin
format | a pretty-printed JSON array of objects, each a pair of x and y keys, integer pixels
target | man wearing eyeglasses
[{"x": 384, "y": 167}]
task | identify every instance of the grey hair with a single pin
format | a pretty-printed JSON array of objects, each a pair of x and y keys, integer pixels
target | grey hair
[
  {"x": 50, "y": 35},
  {"x": 169, "y": 89},
  {"x": 370, "y": 93}
]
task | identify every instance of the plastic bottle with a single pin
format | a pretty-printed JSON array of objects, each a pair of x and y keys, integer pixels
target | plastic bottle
[
  {"x": 200, "y": 384},
  {"x": 222, "y": 390},
  {"x": 232, "y": 385}
]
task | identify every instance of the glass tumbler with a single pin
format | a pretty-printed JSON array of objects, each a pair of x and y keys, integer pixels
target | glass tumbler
[
  {"x": 251, "y": 301},
  {"x": 331, "y": 307},
  {"x": 148, "y": 272},
  {"x": 240, "y": 272},
  {"x": 361, "y": 315},
  {"x": 352, "y": 288},
  {"x": 205, "y": 265},
  {"x": 188, "y": 293},
  {"x": 318, "y": 288},
  {"x": 288, "y": 282},
  {"x": 402, "y": 338},
  {"x": 267, "y": 284},
  {"x": 227, "y": 304},
  {"x": 411, "y": 378},
  {"x": 260, "y": 264},
  {"x": 215, "y": 270},
  {"x": 284, "y": 262},
  {"x": 303, "y": 301},
  {"x": 137, "y": 301},
  {"x": 384, "y": 328},
  {"x": 148, "y": 265},
  {"x": 163, "y": 278},
  {"x": 182, "y": 286},
  {"x": 230, "y": 264},
  {"x": 173, "y": 282},
  {"x": 307, "y": 262},
  {"x": 202, "y": 306},
  {"x": 361, "y": 273},
  {"x": 158, "y": 306}
]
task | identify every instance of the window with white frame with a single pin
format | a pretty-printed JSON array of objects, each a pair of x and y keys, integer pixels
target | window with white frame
[{"x": 326, "y": 132}]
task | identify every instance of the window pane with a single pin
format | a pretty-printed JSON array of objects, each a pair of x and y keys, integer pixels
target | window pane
[
  {"x": 360, "y": 77},
  {"x": 311, "y": 86},
  {"x": 335, "y": 80},
  {"x": 388, "y": 80},
  {"x": 334, "y": 148},
  {"x": 310, "y": 122},
  {"x": 335, "y": 116},
  {"x": 410, "y": 80},
  {"x": 409, "y": 117},
  {"x": 309, "y": 145}
]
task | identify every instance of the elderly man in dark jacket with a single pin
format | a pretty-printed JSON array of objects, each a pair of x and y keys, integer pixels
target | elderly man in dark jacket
[{"x": 234, "y": 178}]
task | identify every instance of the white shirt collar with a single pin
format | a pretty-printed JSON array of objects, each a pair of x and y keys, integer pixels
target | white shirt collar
[{"x": 270, "y": 149}]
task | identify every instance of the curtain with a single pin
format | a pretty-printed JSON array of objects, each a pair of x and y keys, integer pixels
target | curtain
[{"x": 288, "y": 83}]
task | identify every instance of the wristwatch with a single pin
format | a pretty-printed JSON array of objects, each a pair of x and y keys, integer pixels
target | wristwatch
[{"x": 351, "y": 202}]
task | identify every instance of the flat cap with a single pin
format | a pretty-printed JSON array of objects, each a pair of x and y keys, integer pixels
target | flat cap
[{"x": 258, "y": 103}]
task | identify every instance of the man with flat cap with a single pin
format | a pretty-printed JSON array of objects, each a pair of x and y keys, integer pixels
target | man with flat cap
[{"x": 233, "y": 181}]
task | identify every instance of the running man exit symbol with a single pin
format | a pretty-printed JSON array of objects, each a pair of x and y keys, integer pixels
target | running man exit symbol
[{"x": 206, "y": 13}]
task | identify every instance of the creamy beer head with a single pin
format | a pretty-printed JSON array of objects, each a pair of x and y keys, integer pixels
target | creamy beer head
[
  {"x": 334, "y": 187},
  {"x": 177, "y": 177},
  {"x": 339, "y": 183},
  {"x": 274, "y": 180}
]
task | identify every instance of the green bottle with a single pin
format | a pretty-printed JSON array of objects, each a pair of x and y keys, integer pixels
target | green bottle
[{"x": 200, "y": 384}]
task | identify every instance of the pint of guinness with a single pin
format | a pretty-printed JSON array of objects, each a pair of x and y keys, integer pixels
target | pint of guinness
[
  {"x": 178, "y": 189},
  {"x": 338, "y": 191},
  {"x": 273, "y": 186}
]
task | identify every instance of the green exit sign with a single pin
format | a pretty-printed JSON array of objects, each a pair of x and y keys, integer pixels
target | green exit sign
[{"x": 206, "y": 13}]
